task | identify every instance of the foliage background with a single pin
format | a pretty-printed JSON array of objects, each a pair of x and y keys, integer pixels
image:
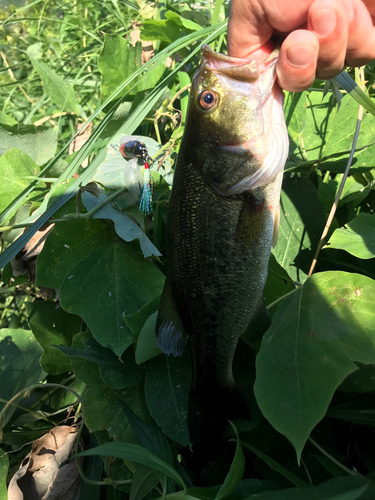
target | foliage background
[{"x": 311, "y": 386}]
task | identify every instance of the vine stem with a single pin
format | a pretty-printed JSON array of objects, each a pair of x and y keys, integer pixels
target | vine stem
[
  {"x": 337, "y": 199},
  {"x": 330, "y": 457}
]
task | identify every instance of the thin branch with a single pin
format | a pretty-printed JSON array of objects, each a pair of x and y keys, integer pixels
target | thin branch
[{"x": 337, "y": 199}]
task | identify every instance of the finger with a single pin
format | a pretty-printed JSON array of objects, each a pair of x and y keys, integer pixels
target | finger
[
  {"x": 248, "y": 31},
  {"x": 297, "y": 62},
  {"x": 252, "y": 24},
  {"x": 328, "y": 21},
  {"x": 361, "y": 34}
]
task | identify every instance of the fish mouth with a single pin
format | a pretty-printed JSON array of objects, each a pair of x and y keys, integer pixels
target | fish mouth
[{"x": 244, "y": 70}]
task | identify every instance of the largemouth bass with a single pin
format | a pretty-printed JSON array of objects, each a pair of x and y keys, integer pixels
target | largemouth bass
[{"x": 223, "y": 215}]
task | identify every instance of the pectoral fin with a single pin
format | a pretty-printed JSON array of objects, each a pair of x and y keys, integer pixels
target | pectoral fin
[
  {"x": 258, "y": 325},
  {"x": 171, "y": 337}
]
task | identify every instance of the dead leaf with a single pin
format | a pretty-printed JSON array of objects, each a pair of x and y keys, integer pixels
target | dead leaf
[
  {"x": 147, "y": 47},
  {"x": 25, "y": 260},
  {"x": 79, "y": 141},
  {"x": 40, "y": 476}
]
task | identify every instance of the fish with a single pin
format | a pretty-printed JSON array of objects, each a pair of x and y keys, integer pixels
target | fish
[{"x": 223, "y": 217}]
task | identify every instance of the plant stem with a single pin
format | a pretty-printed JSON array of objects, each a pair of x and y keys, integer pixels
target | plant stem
[
  {"x": 283, "y": 297},
  {"x": 337, "y": 199},
  {"x": 339, "y": 464}
]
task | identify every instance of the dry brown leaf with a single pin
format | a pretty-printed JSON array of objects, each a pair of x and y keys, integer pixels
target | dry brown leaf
[
  {"x": 147, "y": 47},
  {"x": 40, "y": 476},
  {"x": 25, "y": 261},
  {"x": 79, "y": 141}
]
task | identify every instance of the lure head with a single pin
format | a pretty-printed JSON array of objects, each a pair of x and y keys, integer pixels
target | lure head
[
  {"x": 135, "y": 149},
  {"x": 236, "y": 122}
]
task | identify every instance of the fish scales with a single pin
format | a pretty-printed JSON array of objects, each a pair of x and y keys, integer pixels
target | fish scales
[{"x": 221, "y": 221}]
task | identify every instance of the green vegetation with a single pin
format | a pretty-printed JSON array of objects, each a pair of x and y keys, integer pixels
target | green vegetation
[{"x": 78, "y": 314}]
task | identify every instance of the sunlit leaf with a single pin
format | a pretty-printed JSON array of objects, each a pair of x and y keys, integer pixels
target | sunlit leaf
[
  {"x": 39, "y": 143},
  {"x": 357, "y": 237},
  {"x": 16, "y": 167},
  {"x": 61, "y": 93},
  {"x": 316, "y": 336}
]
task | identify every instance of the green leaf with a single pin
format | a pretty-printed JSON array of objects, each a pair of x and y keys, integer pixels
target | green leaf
[
  {"x": 15, "y": 168},
  {"x": 300, "y": 226},
  {"x": 278, "y": 282},
  {"x": 39, "y": 143},
  {"x": 60, "y": 93},
  {"x": 341, "y": 488},
  {"x": 115, "y": 372},
  {"x": 357, "y": 237},
  {"x": 118, "y": 61},
  {"x": 87, "y": 371},
  {"x": 355, "y": 91},
  {"x": 168, "y": 29},
  {"x": 144, "y": 480},
  {"x": 167, "y": 393},
  {"x": 146, "y": 343},
  {"x": 110, "y": 282},
  {"x": 104, "y": 412},
  {"x": 4, "y": 464},
  {"x": 276, "y": 466},
  {"x": 149, "y": 436},
  {"x": 235, "y": 473},
  {"x": 124, "y": 225},
  {"x": 136, "y": 454},
  {"x": 316, "y": 336},
  {"x": 19, "y": 364},
  {"x": 65, "y": 246},
  {"x": 51, "y": 325}
]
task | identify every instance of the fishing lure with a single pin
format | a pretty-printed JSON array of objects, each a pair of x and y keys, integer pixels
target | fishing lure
[{"x": 137, "y": 150}]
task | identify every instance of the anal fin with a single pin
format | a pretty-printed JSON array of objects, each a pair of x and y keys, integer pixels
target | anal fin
[{"x": 171, "y": 336}]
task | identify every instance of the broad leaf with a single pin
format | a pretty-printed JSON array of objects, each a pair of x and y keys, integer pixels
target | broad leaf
[
  {"x": 124, "y": 225},
  {"x": 65, "y": 247},
  {"x": 51, "y": 325},
  {"x": 118, "y": 61},
  {"x": 60, "y": 93},
  {"x": 111, "y": 281},
  {"x": 300, "y": 226},
  {"x": 316, "y": 336},
  {"x": 115, "y": 372},
  {"x": 357, "y": 237},
  {"x": 39, "y": 143},
  {"x": 167, "y": 393},
  {"x": 87, "y": 371},
  {"x": 15, "y": 169},
  {"x": 104, "y": 412},
  {"x": 146, "y": 343},
  {"x": 19, "y": 364}
]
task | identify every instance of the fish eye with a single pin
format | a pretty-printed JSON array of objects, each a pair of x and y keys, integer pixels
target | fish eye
[{"x": 208, "y": 99}]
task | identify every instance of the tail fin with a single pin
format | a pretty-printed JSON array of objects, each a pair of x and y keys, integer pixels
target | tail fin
[{"x": 210, "y": 408}]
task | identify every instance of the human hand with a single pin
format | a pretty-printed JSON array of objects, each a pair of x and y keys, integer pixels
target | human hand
[{"x": 320, "y": 36}]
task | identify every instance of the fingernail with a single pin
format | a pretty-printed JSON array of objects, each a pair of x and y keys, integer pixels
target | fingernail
[
  {"x": 300, "y": 54},
  {"x": 324, "y": 22}
]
